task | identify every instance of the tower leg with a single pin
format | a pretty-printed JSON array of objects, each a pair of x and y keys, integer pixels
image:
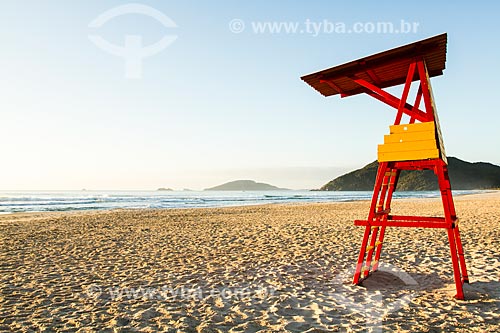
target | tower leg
[
  {"x": 460, "y": 249},
  {"x": 456, "y": 249},
  {"x": 456, "y": 269},
  {"x": 361, "y": 257}
]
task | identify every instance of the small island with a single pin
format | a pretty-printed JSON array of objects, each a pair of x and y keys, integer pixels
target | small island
[
  {"x": 164, "y": 189},
  {"x": 244, "y": 185}
]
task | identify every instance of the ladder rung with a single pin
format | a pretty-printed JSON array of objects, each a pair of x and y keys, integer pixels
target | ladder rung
[
  {"x": 383, "y": 212},
  {"x": 377, "y": 243},
  {"x": 375, "y": 227},
  {"x": 370, "y": 247}
]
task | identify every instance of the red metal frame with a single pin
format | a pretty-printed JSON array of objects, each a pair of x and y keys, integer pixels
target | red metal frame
[{"x": 387, "y": 177}]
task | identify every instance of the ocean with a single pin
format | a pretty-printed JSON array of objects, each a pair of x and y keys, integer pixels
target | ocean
[{"x": 50, "y": 201}]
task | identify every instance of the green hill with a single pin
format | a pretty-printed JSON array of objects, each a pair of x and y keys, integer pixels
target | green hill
[
  {"x": 463, "y": 176},
  {"x": 244, "y": 185}
]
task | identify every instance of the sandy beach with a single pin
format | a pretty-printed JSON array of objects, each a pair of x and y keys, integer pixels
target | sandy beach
[{"x": 273, "y": 268}]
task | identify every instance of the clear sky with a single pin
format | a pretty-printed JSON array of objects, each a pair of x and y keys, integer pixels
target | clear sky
[{"x": 216, "y": 105}]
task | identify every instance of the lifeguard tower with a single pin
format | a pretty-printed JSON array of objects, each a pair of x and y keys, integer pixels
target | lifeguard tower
[{"x": 415, "y": 145}]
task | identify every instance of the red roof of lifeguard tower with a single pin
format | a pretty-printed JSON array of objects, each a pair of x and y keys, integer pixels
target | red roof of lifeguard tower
[{"x": 384, "y": 69}]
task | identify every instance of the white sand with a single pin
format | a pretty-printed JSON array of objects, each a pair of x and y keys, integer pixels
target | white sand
[{"x": 64, "y": 271}]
